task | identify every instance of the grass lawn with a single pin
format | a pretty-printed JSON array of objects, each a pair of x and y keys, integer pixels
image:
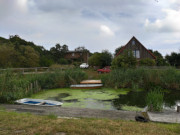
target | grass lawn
[{"x": 12, "y": 123}]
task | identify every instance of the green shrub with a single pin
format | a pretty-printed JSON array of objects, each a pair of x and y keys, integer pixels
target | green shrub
[
  {"x": 147, "y": 62},
  {"x": 127, "y": 60},
  {"x": 63, "y": 61},
  {"x": 154, "y": 100}
]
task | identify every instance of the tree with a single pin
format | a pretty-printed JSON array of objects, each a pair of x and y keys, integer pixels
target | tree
[
  {"x": 100, "y": 59},
  {"x": 118, "y": 49},
  {"x": 28, "y": 57},
  {"x": 94, "y": 60},
  {"x": 58, "y": 51},
  {"x": 106, "y": 58},
  {"x": 173, "y": 59},
  {"x": 160, "y": 61},
  {"x": 81, "y": 49},
  {"x": 126, "y": 60},
  {"x": 63, "y": 61},
  {"x": 7, "y": 56}
]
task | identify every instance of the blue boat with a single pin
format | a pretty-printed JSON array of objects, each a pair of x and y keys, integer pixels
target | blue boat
[{"x": 38, "y": 102}]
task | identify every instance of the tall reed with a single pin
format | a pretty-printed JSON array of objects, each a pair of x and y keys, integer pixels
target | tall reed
[
  {"x": 154, "y": 100},
  {"x": 14, "y": 86},
  {"x": 143, "y": 78}
]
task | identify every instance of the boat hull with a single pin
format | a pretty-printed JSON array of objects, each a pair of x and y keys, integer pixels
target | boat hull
[
  {"x": 86, "y": 86},
  {"x": 91, "y": 82},
  {"x": 38, "y": 102}
]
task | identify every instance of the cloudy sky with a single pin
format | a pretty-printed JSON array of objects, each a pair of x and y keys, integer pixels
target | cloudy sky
[{"x": 95, "y": 24}]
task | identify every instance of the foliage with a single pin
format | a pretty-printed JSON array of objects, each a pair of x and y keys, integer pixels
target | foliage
[
  {"x": 106, "y": 58},
  {"x": 14, "y": 86},
  {"x": 28, "y": 57},
  {"x": 94, "y": 60},
  {"x": 117, "y": 50},
  {"x": 174, "y": 59},
  {"x": 58, "y": 51},
  {"x": 100, "y": 59},
  {"x": 142, "y": 78},
  {"x": 126, "y": 60},
  {"x": 7, "y": 56},
  {"x": 147, "y": 62},
  {"x": 154, "y": 100},
  {"x": 45, "y": 61},
  {"x": 21, "y": 53},
  {"x": 160, "y": 61},
  {"x": 63, "y": 61},
  {"x": 81, "y": 49}
]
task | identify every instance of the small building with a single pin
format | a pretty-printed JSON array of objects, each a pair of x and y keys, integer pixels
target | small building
[
  {"x": 139, "y": 51},
  {"x": 81, "y": 56}
]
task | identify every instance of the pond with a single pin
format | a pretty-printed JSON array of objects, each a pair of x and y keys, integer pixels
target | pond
[{"x": 107, "y": 99}]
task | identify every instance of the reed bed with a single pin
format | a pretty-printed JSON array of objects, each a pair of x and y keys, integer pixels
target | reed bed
[
  {"x": 143, "y": 78},
  {"x": 14, "y": 86}
]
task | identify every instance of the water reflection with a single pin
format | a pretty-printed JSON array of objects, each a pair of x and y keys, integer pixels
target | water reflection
[{"x": 132, "y": 98}]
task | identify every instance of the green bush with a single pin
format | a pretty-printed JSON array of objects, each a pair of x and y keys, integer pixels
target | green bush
[
  {"x": 154, "y": 100},
  {"x": 127, "y": 60},
  {"x": 147, "y": 62},
  {"x": 63, "y": 61}
]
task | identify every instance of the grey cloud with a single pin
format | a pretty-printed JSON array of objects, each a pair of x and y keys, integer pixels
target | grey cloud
[{"x": 77, "y": 22}]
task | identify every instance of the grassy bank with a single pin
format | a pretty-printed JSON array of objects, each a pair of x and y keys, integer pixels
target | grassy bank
[
  {"x": 14, "y": 86},
  {"x": 13, "y": 123},
  {"x": 143, "y": 78}
]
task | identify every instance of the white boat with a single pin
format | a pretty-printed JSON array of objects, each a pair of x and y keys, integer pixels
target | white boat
[
  {"x": 86, "y": 86},
  {"x": 91, "y": 82},
  {"x": 39, "y": 102}
]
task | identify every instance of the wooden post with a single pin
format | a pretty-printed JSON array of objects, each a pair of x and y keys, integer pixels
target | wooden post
[{"x": 178, "y": 108}]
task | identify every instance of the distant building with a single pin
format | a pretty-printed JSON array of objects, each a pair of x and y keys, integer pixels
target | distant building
[
  {"x": 139, "y": 51},
  {"x": 81, "y": 56}
]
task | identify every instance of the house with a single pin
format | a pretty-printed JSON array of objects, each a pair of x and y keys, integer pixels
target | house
[
  {"x": 139, "y": 51},
  {"x": 81, "y": 56}
]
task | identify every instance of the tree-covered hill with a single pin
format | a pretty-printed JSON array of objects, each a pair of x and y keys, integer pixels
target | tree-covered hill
[{"x": 17, "y": 52}]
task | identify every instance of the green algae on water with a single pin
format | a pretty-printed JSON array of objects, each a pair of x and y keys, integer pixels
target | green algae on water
[{"x": 95, "y": 99}]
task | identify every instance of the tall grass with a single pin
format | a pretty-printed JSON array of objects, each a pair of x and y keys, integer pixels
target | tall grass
[
  {"x": 143, "y": 78},
  {"x": 14, "y": 86},
  {"x": 154, "y": 100}
]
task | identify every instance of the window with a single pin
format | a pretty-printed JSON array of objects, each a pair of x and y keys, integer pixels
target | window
[
  {"x": 72, "y": 54},
  {"x": 133, "y": 42},
  {"x": 136, "y": 53}
]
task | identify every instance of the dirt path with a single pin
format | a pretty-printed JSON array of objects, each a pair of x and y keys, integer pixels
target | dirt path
[{"x": 71, "y": 112}]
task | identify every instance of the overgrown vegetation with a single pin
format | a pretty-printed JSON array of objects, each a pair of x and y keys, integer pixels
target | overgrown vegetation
[
  {"x": 14, "y": 86},
  {"x": 17, "y": 52},
  {"x": 101, "y": 59},
  {"x": 154, "y": 100},
  {"x": 142, "y": 78},
  {"x": 13, "y": 123},
  {"x": 127, "y": 60},
  {"x": 147, "y": 62}
]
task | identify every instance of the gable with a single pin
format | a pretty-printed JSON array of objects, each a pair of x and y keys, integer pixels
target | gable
[{"x": 139, "y": 51}]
